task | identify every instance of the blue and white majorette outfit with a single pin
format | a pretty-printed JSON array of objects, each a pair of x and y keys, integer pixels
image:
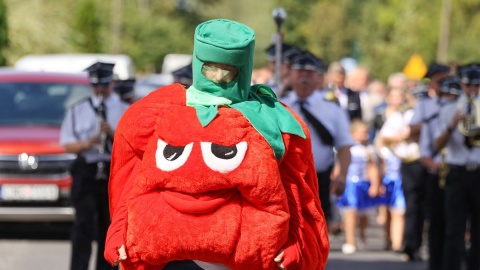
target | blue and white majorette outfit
[
  {"x": 394, "y": 197},
  {"x": 356, "y": 189}
]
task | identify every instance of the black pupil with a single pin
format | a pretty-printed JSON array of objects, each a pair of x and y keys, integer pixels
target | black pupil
[
  {"x": 224, "y": 152},
  {"x": 172, "y": 152}
]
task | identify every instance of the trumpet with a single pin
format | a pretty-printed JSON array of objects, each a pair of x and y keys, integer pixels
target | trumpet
[
  {"x": 470, "y": 126},
  {"x": 101, "y": 170}
]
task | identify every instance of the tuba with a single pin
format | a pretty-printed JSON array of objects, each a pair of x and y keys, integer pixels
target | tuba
[
  {"x": 101, "y": 166},
  {"x": 470, "y": 126}
]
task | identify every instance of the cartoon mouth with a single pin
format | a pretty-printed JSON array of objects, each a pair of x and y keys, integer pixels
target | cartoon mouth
[{"x": 197, "y": 204}]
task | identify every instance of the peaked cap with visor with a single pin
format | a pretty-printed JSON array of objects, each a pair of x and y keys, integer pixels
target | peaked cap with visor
[{"x": 228, "y": 42}]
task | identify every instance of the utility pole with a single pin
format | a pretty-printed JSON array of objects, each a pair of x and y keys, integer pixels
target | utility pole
[
  {"x": 279, "y": 16},
  {"x": 444, "y": 33}
]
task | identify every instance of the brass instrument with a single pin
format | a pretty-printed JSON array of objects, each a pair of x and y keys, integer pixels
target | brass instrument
[
  {"x": 405, "y": 107},
  {"x": 443, "y": 169},
  {"x": 470, "y": 126},
  {"x": 406, "y": 151},
  {"x": 101, "y": 170},
  {"x": 330, "y": 94}
]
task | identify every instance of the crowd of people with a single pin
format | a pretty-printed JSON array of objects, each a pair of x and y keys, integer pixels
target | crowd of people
[
  {"x": 406, "y": 149},
  {"x": 412, "y": 155}
]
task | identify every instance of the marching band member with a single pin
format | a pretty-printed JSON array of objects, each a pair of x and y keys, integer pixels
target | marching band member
[{"x": 456, "y": 132}]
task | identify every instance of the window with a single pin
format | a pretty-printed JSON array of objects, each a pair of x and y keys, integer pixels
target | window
[{"x": 33, "y": 103}]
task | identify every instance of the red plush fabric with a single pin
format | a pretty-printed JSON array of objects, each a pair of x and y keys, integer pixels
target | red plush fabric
[{"x": 239, "y": 211}]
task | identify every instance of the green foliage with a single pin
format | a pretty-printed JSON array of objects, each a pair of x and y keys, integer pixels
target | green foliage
[
  {"x": 254, "y": 13},
  {"x": 380, "y": 34},
  {"x": 297, "y": 13},
  {"x": 399, "y": 29},
  {"x": 39, "y": 26},
  {"x": 151, "y": 32},
  {"x": 3, "y": 32},
  {"x": 86, "y": 27},
  {"x": 464, "y": 36},
  {"x": 149, "y": 40},
  {"x": 322, "y": 33}
]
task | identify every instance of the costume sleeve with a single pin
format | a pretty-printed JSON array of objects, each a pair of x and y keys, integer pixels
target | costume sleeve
[
  {"x": 307, "y": 246},
  {"x": 133, "y": 132},
  {"x": 124, "y": 165}
]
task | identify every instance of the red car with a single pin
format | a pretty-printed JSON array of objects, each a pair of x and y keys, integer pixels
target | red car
[{"x": 34, "y": 178}]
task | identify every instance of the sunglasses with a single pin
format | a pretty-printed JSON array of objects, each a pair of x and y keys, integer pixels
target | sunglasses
[{"x": 219, "y": 73}]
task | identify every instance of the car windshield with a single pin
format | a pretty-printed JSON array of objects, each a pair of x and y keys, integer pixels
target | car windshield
[{"x": 38, "y": 104}]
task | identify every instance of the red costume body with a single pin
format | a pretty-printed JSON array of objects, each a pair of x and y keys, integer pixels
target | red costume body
[{"x": 240, "y": 211}]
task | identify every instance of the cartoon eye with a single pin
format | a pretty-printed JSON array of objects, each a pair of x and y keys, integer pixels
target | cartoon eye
[
  {"x": 170, "y": 157},
  {"x": 221, "y": 158}
]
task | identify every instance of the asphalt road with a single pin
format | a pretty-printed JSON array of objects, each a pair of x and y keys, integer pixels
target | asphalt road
[
  {"x": 372, "y": 256},
  {"x": 48, "y": 248}
]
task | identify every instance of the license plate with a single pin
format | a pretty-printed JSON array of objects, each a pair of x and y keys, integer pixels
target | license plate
[{"x": 29, "y": 192}]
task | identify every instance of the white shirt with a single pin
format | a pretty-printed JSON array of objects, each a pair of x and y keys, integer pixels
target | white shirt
[
  {"x": 81, "y": 123},
  {"x": 428, "y": 117},
  {"x": 332, "y": 116},
  {"x": 457, "y": 151},
  {"x": 396, "y": 124},
  {"x": 424, "y": 109}
]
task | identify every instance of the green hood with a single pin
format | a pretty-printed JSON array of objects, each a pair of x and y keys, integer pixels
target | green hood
[
  {"x": 232, "y": 43},
  {"x": 226, "y": 42}
]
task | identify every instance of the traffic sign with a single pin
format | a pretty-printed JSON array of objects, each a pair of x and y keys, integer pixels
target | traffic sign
[{"x": 415, "y": 68}]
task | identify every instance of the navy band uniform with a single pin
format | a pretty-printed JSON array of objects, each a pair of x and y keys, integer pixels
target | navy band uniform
[
  {"x": 434, "y": 160},
  {"x": 462, "y": 186},
  {"x": 327, "y": 122},
  {"x": 125, "y": 89},
  {"x": 183, "y": 75},
  {"x": 80, "y": 134},
  {"x": 416, "y": 180}
]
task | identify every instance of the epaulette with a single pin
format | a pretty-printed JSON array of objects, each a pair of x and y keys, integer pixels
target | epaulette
[
  {"x": 330, "y": 97},
  {"x": 405, "y": 107},
  {"x": 330, "y": 94},
  {"x": 78, "y": 102}
]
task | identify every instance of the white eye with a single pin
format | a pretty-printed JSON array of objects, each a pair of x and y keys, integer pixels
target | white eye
[
  {"x": 221, "y": 158},
  {"x": 170, "y": 157}
]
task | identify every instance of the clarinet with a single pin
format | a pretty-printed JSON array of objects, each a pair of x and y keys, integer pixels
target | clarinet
[{"x": 101, "y": 170}]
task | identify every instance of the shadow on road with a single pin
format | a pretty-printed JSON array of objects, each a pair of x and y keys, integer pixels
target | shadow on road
[
  {"x": 36, "y": 231},
  {"x": 334, "y": 264}
]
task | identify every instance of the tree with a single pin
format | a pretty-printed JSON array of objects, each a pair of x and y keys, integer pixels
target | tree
[
  {"x": 3, "y": 33},
  {"x": 151, "y": 33},
  {"x": 44, "y": 30},
  {"x": 86, "y": 27},
  {"x": 380, "y": 34}
]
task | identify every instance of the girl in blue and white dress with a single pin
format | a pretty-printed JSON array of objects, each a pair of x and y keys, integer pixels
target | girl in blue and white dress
[
  {"x": 362, "y": 187},
  {"x": 393, "y": 202}
]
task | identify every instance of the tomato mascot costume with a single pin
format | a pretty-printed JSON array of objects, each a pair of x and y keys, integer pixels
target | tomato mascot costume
[{"x": 220, "y": 172}]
